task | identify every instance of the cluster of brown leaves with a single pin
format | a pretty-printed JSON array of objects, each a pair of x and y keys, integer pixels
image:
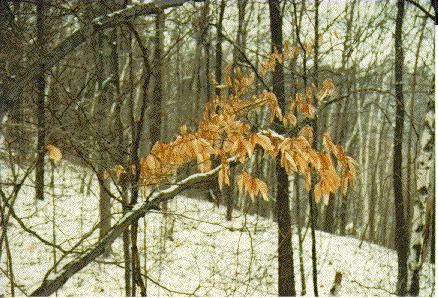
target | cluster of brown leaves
[
  {"x": 224, "y": 133},
  {"x": 327, "y": 89},
  {"x": 290, "y": 52},
  {"x": 252, "y": 185},
  {"x": 53, "y": 152},
  {"x": 269, "y": 65},
  {"x": 236, "y": 81},
  {"x": 346, "y": 162},
  {"x": 298, "y": 156}
]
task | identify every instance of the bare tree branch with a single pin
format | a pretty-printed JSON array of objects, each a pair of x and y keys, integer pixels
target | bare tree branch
[
  {"x": 417, "y": 5},
  {"x": 56, "y": 281}
]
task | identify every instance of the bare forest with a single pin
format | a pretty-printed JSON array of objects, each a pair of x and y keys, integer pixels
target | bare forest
[{"x": 217, "y": 148}]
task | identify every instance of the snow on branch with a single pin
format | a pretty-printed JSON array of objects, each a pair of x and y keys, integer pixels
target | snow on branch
[
  {"x": 137, "y": 9},
  {"x": 56, "y": 281}
]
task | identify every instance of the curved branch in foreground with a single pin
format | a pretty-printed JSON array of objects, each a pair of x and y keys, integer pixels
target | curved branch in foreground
[{"x": 56, "y": 281}]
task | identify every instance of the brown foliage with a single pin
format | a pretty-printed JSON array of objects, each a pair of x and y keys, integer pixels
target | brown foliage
[{"x": 225, "y": 133}]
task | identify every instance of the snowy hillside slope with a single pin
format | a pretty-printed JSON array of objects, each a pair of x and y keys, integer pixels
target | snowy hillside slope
[{"x": 208, "y": 255}]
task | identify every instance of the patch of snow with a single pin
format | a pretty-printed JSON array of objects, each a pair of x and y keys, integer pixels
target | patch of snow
[{"x": 208, "y": 256}]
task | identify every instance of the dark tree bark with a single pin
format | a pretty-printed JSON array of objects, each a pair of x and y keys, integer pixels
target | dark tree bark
[
  {"x": 123, "y": 181},
  {"x": 298, "y": 215},
  {"x": 225, "y": 192},
  {"x": 240, "y": 34},
  {"x": 219, "y": 38},
  {"x": 157, "y": 96},
  {"x": 202, "y": 84},
  {"x": 343, "y": 215},
  {"x": 137, "y": 132},
  {"x": 373, "y": 196},
  {"x": 314, "y": 125},
  {"x": 41, "y": 119},
  {"x": 432, "y": 238},
  {"x": 342, "y": 110},
  {"x": 206, "y": 42},
  {"x": 401, "y": 241},
  {"x": 435, "y": 8},
  {"x": 286, "y": 278},
  {"x": 101, "y": 114},
  {"x": 329, "y": 220}
]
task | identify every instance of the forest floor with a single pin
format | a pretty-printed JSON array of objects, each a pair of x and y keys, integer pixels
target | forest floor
[{"x": 207, "y": 256}]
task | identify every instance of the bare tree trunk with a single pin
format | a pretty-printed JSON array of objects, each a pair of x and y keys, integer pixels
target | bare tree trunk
[
  {"x": 300, "y": 235},
  {"x": 286, "y": 278},
  {"x": 137, "y": 133},
  {"x": 373, "y": 195},
  {"x": 329, "y": 220},
  {"x": 157, "y": 101},
  {"x": 41, "y": 119},
  {"x": 128, "y": 176},
  {"x": 101, "y": 118},
  {"x": 420, "y": 224},
  {"x": 206, "y": 44},
  {"x": 238, "y": 58},
  {"x": 411, "y": 157},
  {"x": 314, "y": 124},
  {"x": 343, "y": 108},
  {"x": 157, "y": 96},
  {"x": 219, "y": 38},
  {"x": 123, "y": 179},
  {"x": 225, "y": 192},
  {"x": 199, "y": 94},
  {"x": 401, "y": 241},
  {"x": 9, "y": 265}
]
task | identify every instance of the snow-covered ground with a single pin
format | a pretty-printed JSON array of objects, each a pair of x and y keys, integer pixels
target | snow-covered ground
[{"x": 208, "y": 256}]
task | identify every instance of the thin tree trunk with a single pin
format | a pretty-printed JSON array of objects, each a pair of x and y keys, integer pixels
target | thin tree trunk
[
  {"x": 206, "y": 44},
  {"x": 157, "y": 96},
  {"x": 329, "y": 220},
  {"x": 314, "y": 124},
  {"x": 373, "y": 194},
  {"x": 41, "y": 119},
  {"x": 343, "y": 215},
  {"x": 198, "y": 95},
  {"x": 9, "y": 264},
  {"x": 226, "y": 193},
  {"x": 238, "y": 58},
  {"x": 123, "y": 179},
  {"x": 157, "y": 102},
  {"x": 137, "y": 133},
  {"x": 343, "y": 108},
  {"x": 300, "y": 235},
  {"x": 125, "y": 203},
  {"x": 104, "y": 198},
  {"x": 286, "y": 278},
  {"x": 219, "y": 38},
  {"x": 401, "y": 241}
]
